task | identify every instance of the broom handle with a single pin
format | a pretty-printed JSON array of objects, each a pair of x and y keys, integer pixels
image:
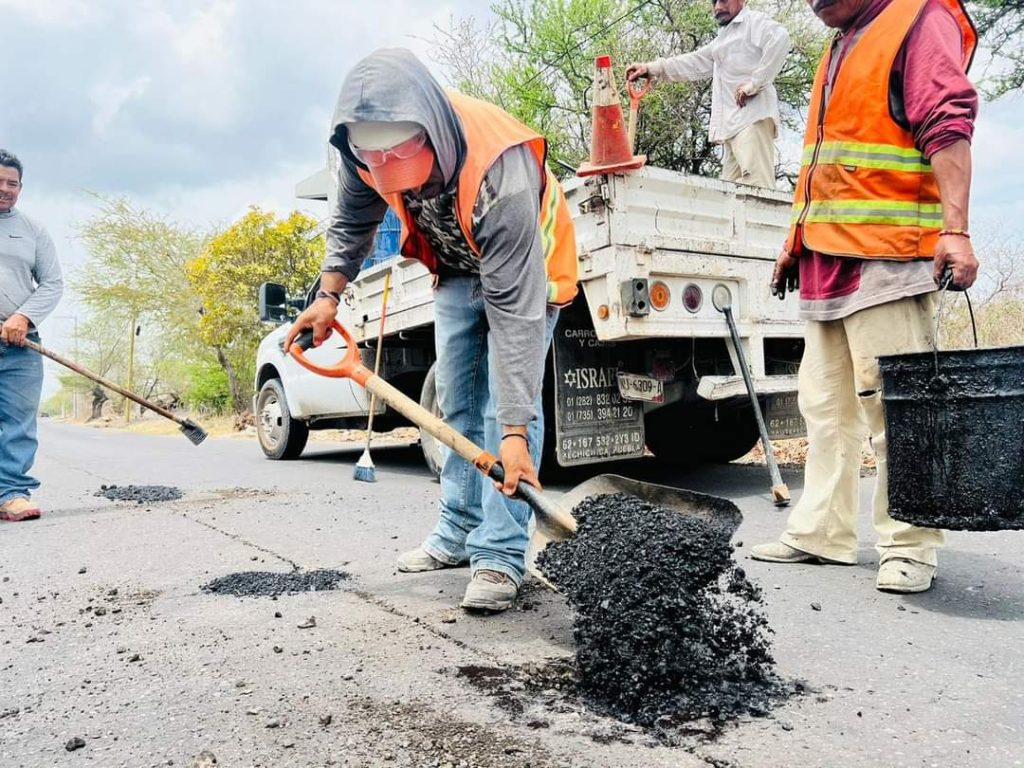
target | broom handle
[
  {"x": 380, "y": 348},
  {"x": 100, "y": 380}
]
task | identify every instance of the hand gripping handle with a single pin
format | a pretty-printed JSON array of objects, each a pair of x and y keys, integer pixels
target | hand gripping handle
[{"x": 349, "y": 367}]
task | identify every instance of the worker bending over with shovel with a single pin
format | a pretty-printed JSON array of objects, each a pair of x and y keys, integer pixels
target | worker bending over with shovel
[{"x": 480, "y": 209}]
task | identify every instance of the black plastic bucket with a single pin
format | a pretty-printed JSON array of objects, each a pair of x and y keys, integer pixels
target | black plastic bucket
[{"x": 954, "y": 424}]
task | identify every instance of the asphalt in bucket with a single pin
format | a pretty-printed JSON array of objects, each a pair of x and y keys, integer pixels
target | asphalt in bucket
[
  {"x": 668, "y": 629},
  {"x": 140, "y": 494},
  {"x": 273, "y": 584}
]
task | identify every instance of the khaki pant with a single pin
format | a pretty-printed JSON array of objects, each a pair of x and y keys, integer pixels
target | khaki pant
[
  {"x": 749, "y": 156},
  {"x": 840, "y": 398}
]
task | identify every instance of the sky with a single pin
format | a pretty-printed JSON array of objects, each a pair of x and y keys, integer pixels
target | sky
[{"x": 197, "y": 109}]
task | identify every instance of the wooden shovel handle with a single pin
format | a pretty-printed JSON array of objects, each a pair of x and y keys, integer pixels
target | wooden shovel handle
[{"x": 555, "y": 519}]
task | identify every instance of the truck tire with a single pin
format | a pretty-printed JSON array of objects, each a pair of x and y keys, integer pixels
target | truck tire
[
  {"x": 433, "y": 449},
  {"x": 684, "y": 434},
  {"x": 280, "y": 436}
]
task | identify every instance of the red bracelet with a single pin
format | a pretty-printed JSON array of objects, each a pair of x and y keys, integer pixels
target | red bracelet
[{"x": 958, "y": 232}]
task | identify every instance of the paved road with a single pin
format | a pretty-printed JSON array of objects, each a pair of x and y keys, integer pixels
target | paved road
[{"x": 406, "y": 680}]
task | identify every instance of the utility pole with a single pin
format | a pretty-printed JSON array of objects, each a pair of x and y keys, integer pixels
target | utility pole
[{"x": 131, "y": 366}]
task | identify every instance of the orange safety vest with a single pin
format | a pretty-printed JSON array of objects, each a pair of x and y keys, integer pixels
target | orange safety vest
[
  {"x": 489, "y": 131},
  {"x": 864, "y": 189}
]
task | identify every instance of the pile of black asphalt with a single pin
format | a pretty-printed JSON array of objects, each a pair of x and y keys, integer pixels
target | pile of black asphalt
[{"x": 668, "y": 629}]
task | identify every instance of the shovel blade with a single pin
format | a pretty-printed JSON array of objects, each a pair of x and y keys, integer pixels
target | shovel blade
[{"x": 712, "y": 509}]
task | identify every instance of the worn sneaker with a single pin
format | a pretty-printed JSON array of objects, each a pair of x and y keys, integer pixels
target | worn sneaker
[
  {"x": 18, "y": 509},
  {"x": 490, "y": 591},
  {"x": 777, "y": 552},
  {"x": 418, "y": 560},
  {"x": 898, "y": 574}
]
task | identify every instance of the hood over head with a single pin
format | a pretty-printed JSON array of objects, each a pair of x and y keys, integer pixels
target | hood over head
[{"x": 392, "y": 85}]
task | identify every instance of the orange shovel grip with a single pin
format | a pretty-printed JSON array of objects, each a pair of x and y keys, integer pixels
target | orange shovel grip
[
  {"x": 349, "y": 367},
  {"x": 636, "y": 90}
]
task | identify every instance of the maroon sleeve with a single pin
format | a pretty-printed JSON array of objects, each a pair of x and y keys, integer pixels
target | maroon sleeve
[{"x": 940, "y": 102}]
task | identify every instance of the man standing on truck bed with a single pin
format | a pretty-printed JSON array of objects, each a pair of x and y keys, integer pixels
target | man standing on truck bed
[
  {"x": 479, "y": 207},
  {"x": 880, "y": 212},
  {"x": 742, "y": 62}
]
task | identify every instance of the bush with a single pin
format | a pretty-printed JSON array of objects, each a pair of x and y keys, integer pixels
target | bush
[{"x": 207, "y": 388}]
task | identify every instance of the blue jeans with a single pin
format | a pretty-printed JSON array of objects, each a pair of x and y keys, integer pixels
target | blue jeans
[
  {"x": 21, "y": 382},
  {"x": 478, "y": 523}
]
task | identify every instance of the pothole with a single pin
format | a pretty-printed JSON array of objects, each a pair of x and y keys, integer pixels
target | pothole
[
  {"x": 140, "y": 494},
  {"x": 273, "y": 584}
]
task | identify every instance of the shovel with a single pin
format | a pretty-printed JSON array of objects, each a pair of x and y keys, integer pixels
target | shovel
[
  {"x": 192, "y": 431},
  {"x": 553, "y": 520},
  {"x": 636, "y": 91}
]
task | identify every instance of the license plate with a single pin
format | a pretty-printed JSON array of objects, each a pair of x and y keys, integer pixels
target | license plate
[
  {"x": 782, "y": 417},
  {"x": 634, "y": 387}
]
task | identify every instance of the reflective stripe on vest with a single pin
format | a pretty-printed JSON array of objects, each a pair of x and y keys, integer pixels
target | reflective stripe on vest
[
  {"x": 862, "y": 155},
  {"x": 924, "y": 215}
]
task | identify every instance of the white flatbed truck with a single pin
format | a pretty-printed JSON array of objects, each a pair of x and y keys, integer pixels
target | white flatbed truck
[{"x": 641, "y": 360}]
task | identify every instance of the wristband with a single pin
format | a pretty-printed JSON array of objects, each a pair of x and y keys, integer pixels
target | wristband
[
  {"x": 516, "y": 434},
  {"x": 332, "y": 295},
  {"x": 958, "y": 232}
]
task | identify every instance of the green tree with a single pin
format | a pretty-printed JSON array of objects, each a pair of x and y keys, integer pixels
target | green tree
[
  {"x": 536, "y": 62},
  {"x": 135, "y": 290},
  {"x": 226, "y": 277},
  {"x": 1001, "y": 29}
]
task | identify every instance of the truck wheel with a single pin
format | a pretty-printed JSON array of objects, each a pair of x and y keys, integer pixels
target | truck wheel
[
  {"x": 433, "y": 449},
  {"x": 280, "y": 436},
  {"x": 690, "y": 433}
]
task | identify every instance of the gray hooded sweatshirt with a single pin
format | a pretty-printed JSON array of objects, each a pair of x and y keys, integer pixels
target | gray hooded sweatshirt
[{"x": 393, "y": 85}]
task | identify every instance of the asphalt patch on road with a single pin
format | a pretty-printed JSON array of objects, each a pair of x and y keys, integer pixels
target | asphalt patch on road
[
  {"x": 140, "y": 494},
  {"x": 273, "y": 584},
  {"x": 668, "y": 628}
]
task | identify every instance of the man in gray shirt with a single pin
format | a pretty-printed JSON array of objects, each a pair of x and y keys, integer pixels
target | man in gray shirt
[
  {"x": 30, "y": 287},
  {"x": 479, "y": 207}
]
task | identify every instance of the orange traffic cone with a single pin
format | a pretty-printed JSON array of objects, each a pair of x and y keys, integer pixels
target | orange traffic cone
[{"x": 610, "y": 151}]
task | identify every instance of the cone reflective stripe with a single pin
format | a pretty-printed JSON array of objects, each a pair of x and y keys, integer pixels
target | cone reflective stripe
[{"x": 610, "y": 151}]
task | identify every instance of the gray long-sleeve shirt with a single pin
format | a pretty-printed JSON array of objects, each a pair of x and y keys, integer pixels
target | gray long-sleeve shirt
[
  {"x": 393, "y": 85},
  {"x": 30, "y": 278}
]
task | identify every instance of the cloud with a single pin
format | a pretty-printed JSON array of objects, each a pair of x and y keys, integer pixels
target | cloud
[
  {"x": 135, "y": 96},
  {"x": 108, "y": 98},
  {"x": 48, "y": 12}
]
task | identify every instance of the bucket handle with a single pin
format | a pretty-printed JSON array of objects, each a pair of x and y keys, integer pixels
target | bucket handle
[{"x": 946, "y": 284}]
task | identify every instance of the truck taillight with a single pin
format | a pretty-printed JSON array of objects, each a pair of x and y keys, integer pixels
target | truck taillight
[
  {"x": 660, "y": 295},
  {"x": 693, "y": 298}
]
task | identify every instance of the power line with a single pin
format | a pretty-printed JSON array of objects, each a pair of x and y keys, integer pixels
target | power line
[{"x": 573, "y": 49}]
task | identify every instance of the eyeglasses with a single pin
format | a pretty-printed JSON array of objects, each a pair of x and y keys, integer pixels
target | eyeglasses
[{"x": 375, "y": 158}]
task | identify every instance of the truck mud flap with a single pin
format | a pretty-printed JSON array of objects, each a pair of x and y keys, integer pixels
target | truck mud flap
[{"x": 592, "y": 421}]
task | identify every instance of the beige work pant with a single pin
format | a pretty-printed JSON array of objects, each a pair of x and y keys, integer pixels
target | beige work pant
[
  {"x": 840, "y": 398},
  {"x": 749, "y": 156}
]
